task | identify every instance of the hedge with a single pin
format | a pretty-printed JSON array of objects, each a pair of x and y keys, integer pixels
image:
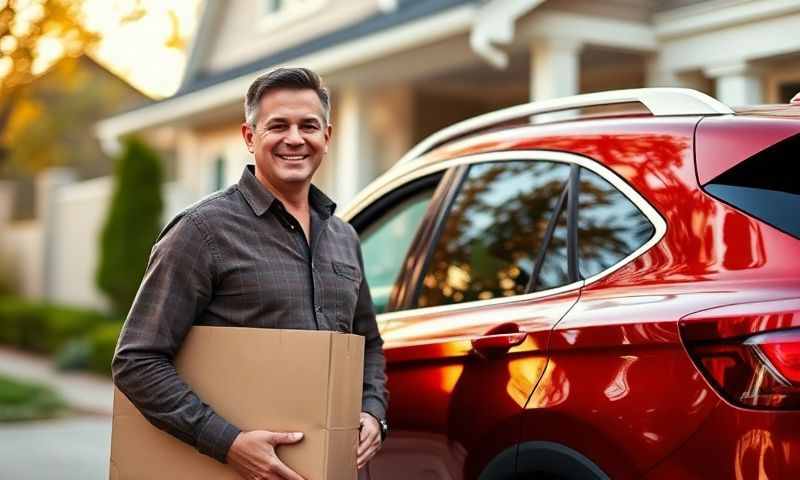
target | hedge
[
  {"x": 103, "y": 341},
  {"x": 22, "y": 400},
  {"x": 78, "y": 337}
]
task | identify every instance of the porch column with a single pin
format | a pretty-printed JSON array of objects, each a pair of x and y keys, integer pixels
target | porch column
[
  {"x": 660, "y": 75},
  {"x": 737, "y": 84},
  {"x": 352, "y": 157},
  {"x": 555, "y": 68}
]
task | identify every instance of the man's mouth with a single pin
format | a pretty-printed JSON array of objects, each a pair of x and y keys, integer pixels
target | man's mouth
[{"x": 291, "y": 158}]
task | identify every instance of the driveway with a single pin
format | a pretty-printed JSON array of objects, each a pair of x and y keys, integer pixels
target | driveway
[{"x": 74, "y": 448}]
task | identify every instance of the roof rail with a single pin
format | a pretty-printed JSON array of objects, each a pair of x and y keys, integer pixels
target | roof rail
[{"x": 660, "y": 101}]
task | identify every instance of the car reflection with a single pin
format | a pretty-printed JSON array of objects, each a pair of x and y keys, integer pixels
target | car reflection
[
  {"x": 414, "y": 455},
  {"x": 756, "y": 456},
  {"x": 618, "y": 388}
]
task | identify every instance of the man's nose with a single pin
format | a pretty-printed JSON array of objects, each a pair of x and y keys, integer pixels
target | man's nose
[{"x": 293, "y": 136}]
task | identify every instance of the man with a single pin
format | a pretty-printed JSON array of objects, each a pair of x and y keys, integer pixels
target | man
[{"x": 266, "y": 252}]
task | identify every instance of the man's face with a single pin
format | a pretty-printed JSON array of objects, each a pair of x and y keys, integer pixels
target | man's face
[{"x": 290, "y": 138}]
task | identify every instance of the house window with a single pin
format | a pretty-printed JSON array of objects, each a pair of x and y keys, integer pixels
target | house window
[
  {"x": 788, "y": 90},
  {"x": 218, "y": 174},
  {"x": 276, "y": 13},
  {"x": 273, "y": 6}
]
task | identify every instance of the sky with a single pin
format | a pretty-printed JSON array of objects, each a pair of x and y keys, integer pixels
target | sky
[{"x": 137, "y": 49}]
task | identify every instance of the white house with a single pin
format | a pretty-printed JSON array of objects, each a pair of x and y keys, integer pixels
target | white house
[{"x": 401, "y": 69}]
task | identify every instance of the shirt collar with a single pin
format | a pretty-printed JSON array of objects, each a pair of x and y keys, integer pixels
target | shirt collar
[{"x": 261, "y": 199}]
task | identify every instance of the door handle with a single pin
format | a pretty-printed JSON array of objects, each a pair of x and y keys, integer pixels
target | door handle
[{"x": 499, "y": 340}]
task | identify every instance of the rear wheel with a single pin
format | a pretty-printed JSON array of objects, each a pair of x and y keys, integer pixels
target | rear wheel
[{"x": 553, "y": 461}]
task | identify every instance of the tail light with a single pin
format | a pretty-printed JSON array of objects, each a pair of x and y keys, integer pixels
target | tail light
[{"x": 748, "y": 366}]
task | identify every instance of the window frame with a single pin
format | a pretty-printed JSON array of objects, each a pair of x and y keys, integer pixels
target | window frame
[
  {"x": 291, "y": 12},
  {"x": 375, "y": 211},
  {"x": 416, "y": 169},
  {"x": 462, "y": 173}
]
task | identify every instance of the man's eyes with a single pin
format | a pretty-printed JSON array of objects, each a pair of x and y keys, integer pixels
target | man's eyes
[{"x": 279, "y": 127}]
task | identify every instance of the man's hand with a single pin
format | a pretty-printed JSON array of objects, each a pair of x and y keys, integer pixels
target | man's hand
[
  {"x": 795, "y": 100},
  {"x": 369, "y": 439},
  {"x": 253, "y": 456}
]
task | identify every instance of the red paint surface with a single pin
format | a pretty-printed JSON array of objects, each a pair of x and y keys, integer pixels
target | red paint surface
[{"x": 603, "y": 369}]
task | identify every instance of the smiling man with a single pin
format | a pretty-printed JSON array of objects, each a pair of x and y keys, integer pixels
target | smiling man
[{"x": 266, "y": 252}]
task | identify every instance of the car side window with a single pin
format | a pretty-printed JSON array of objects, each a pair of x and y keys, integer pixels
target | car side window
[
  {"x": 493, "y": 232},
  {"x": 610, "y": 226},
  {"x": 385, "y": 243}
]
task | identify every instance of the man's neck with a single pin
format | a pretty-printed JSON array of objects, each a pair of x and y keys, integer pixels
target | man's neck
[{"x": 293, "y": 196}]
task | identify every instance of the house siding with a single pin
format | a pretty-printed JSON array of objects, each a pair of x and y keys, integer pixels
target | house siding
[{"x": 244, "y": 36}]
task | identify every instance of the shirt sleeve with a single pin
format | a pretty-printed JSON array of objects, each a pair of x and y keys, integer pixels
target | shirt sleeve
[
  {"x": 375, "y": 397},
  {"x": 176, "y": 287}
]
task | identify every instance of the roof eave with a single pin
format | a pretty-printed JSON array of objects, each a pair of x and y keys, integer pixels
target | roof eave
[{"x": 403, "y": 37}]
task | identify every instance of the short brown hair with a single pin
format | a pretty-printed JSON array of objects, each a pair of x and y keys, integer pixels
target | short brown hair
[{"x": 284, "y": 77}]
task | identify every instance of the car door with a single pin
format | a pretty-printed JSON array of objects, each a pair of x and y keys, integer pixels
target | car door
[
  {"x": 599, "y": 409},
  {"x": 467, "y": 339}
]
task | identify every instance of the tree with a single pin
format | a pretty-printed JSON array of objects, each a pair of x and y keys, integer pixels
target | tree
[
  {"x": 132, "y": 224},
  {"x": 53, "y": 117},
  {"x": 27, "y": 30}
]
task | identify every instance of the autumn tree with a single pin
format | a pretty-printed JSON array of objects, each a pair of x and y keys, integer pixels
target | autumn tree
[{"x": 32, "y": 32}]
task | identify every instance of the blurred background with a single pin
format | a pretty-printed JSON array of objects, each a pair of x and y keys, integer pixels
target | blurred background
[{"x": 116, "y": 114}]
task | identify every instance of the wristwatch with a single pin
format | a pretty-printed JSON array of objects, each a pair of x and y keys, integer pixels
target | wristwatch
[{"x": 384, "y": 428}]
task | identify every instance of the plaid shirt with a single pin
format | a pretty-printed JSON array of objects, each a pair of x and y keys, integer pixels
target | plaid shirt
[{"x": 238, "y": 258}]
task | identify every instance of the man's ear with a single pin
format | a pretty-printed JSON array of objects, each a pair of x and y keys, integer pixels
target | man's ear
[
  {"x": 247, "y": 135},
  {"x": 328, "y": 133}
]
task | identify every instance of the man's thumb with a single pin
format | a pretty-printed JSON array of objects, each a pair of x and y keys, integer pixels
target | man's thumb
[{"x": 287, "y": 437}]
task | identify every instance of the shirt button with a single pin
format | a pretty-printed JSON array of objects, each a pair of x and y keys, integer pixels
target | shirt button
[{"x": 318, "y": 308}]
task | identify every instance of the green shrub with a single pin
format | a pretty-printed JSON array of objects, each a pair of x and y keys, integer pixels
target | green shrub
[
  {"x": 44, "y": 328},
  {"x": 21, "y": 400},
  {"x": 22, "y": 323},
  {"x": 132, "y": 224},
  {"x": 79, "y": 338},
  {"x": 74, "y": 355},
  {"x": 63, "y": 324},
  {"x": 103, "y": 341}
]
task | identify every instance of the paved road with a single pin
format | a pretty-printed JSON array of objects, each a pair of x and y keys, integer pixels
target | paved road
[{"x": 73, "y": 448}]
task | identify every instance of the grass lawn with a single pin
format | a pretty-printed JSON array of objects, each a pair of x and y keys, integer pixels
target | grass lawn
[{"x": 22, "y": 400}]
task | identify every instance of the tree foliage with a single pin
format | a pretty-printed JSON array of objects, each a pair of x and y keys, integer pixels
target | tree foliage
[
  {"x": 52, "y": 119},
  {"x": 132, "y": 224},
  {"x": 31, "y": 33}
]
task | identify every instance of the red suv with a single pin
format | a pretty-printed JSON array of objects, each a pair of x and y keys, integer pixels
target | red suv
[{"x": 574, "y": 295}]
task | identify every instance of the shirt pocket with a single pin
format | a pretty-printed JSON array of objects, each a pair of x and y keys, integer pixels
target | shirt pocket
[
  {"x": 347, "y": 271},
  {"x": 347, "y": 282}
]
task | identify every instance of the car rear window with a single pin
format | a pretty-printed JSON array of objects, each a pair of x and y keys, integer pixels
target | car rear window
[{"x": 765, "y": 186}]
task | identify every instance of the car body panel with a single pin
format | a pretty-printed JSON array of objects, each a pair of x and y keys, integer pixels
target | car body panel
[
  {"x": 438, "y": 384},
  {"x": 603, "y": 369}
]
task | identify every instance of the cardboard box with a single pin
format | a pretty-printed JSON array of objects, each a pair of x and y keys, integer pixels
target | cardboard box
[{"x": 279, "y": 380}]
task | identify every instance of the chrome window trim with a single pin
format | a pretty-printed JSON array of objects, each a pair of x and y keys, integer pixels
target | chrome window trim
[
  {"x": 413, "y": 312},
  {"x": 410, "y": 172}
]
